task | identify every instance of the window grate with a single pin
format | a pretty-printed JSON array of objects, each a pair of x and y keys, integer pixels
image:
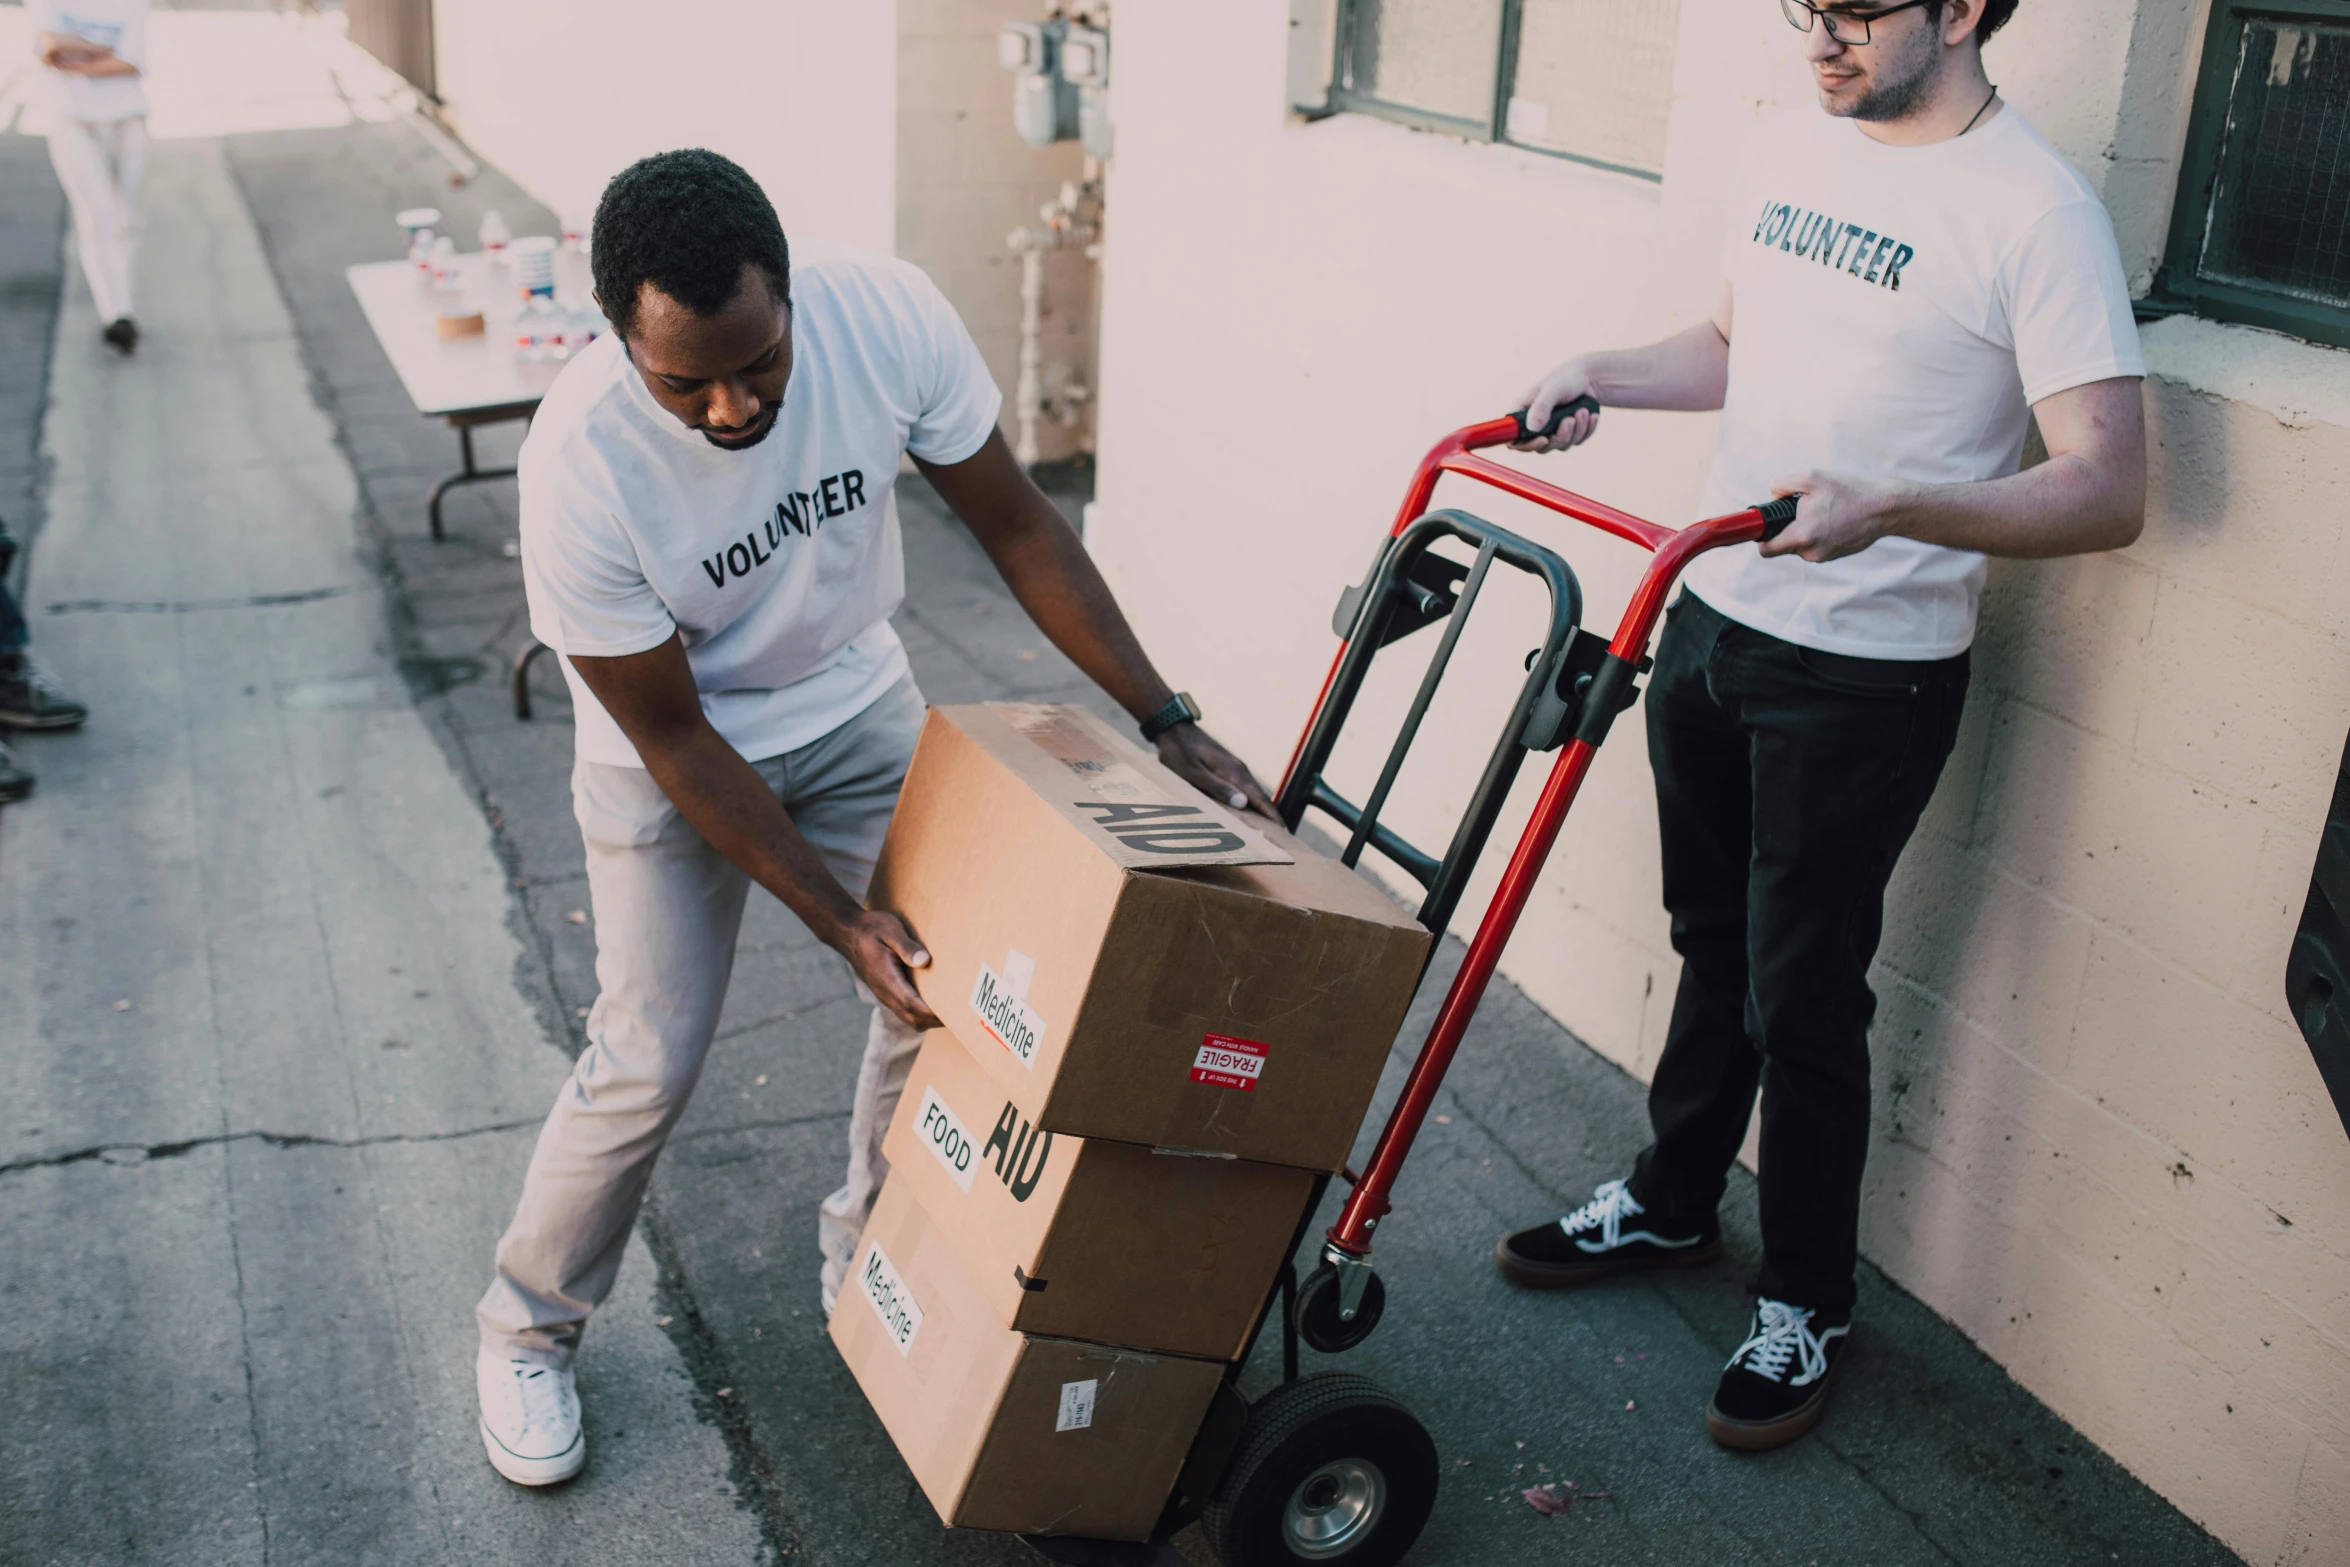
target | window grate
[
  {"x": 2280, "y": 206},
  {"x": 1595, "y": 79},
  {"x": 1590, "y": 80}
]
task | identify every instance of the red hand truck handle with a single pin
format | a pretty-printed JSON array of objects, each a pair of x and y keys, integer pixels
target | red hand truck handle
[{"x": 1672, "y": 549}]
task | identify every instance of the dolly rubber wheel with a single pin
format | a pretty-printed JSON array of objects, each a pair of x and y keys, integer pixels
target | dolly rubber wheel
[
  {"x": 1318, "y": 1321},
  {"x": 1330, "y": 1469}
]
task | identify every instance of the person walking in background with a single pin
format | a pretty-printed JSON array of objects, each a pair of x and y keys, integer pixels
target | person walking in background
[
  {"x": 28, "y": 700},
  {"x": 95, "y": 52},
  {"x": 1910, "y": 280}
]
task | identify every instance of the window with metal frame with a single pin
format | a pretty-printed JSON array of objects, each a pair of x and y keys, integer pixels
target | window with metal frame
[
  {"x": 1590, "y": 80},
  {"x": 2261, "y": 232}
]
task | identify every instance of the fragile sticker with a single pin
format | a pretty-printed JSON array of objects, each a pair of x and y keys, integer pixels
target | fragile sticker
[
  {"x": 947, "y": 1138},
  {"x": 1077, "y": 1399},
  {"x": 1226, "y": 1062},
  {"x": 1000, "y": 1003},
  {"x": 900, "y": 1317}
]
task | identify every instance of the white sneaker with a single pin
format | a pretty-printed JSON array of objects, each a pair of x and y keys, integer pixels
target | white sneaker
[{"x": 529, "y": 1420}]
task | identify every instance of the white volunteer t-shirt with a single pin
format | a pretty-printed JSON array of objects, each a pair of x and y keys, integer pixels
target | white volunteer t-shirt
[
  {"x": 1895, "y": 313},
  {"x": 778, "y": 566},
  {"x": 120, "y": 25}
]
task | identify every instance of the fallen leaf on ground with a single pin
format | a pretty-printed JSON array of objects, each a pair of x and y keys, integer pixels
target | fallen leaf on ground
[
  {"x": 662, "y": 1322},
  {"x": 1460, "y": 1463},
  {"x": 760, "y": 1080},
  {"x": 726, "y": 1392},
  {"x": 1628, "y": 1406},
  {"x": 1444, "y": 1120},
  {"x": 1550, "y": 1500},
  {"x": 577, "y": 916},
  {"x": 122, "y": 1006}
]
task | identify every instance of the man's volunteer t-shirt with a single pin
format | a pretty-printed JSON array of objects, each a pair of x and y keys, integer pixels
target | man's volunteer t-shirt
[
  {"x": 1895, "y": 312},
  {"x": 778, "y": 566},
  {"x": 119, "y": 25}
]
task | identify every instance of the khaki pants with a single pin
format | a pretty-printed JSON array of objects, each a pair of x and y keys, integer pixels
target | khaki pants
[
  {"x": 99, "y": 162},
  {"x": 668, "y": 908}
]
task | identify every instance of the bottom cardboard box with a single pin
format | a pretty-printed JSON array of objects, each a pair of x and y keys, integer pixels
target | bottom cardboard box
[{"x": 1005, "y": 1430}]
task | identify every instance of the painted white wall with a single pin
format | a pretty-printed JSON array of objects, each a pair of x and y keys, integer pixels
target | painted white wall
[
  {"x": 800, "y": 92},
  {"x": 2102, "y": 1150}
]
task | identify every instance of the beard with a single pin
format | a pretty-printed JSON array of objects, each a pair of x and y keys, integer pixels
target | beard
[
  {"x": 749, "y": 438},
  {"x": 1902, "y": 85}
]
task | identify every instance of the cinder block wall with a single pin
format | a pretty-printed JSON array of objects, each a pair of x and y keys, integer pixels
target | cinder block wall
[
  {"x": 2101, "y": 1148},
  {"x": 965, "y": 181}
]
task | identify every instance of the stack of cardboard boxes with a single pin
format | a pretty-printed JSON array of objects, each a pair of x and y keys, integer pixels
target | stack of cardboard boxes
[{"x": 1162, "y": 1023}]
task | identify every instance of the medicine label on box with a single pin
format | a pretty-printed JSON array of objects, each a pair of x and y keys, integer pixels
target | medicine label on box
[
  {"x": 1000, "y": 1001},
  {"x": 1077, "y": 1400},
  {"x": 1226, "y": 1062},
  {"x": 900, "y": 1317},
  {"x": 947, "y": 1138}
]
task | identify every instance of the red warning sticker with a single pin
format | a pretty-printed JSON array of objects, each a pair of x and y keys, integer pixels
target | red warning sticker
[{"x": 1229, "y": 1063}]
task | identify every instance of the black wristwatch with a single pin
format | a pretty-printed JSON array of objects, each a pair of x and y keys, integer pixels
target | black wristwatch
[{"x": 1180, "y": 709}]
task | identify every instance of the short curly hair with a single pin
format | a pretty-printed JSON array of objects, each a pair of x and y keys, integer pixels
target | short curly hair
[{"x": 687, "y": 222}]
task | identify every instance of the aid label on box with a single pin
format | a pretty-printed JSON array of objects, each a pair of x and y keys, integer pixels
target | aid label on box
[
  {"x": 948, "y": 1140},
  {"x": 900, "y": 1317},
  {"x": 1000, "y": 1001},
  {"x": 1226, "y": 1062},
  {"x": 1077, "y": 1404}
]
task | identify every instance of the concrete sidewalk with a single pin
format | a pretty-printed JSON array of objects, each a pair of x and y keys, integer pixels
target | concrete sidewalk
[{"x": 268, "y": 1064}]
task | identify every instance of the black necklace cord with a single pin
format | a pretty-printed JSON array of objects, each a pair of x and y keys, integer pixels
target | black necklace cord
[{"x": 1987, "y": 102}]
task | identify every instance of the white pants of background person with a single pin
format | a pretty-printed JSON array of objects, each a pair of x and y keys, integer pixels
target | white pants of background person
[
  {"x": 99, "y": 162},
  {"x": 667, "y": 909}
]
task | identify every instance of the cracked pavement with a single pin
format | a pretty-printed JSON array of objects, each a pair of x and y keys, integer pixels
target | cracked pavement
[{"x": 340, "y": 889}]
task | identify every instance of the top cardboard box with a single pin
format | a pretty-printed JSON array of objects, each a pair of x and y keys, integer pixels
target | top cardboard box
[{"x": 1130, "y": 961}]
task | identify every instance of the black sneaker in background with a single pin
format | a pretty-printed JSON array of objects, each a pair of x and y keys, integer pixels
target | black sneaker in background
[
  {"x": 29, "y": 699},
  {"x": 123, "y": 333},
  {"x": 15, "y": 782},
  {"x": 1774, "y": 1387},
  {"x": 1596, "y": 1241}
]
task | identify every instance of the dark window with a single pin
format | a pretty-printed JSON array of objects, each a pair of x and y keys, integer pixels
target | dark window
[
  {"x": 2262, "y": 229},
  {"x": 1590, "y": 80}
]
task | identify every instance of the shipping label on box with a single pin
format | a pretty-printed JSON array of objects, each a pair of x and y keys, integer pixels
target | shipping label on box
[
  {"x": 1006, "y": 1430},
  {"x": 1080, "y": 1239},
  {"x": 1141, "y": 813},
  {"x": 1241, "y": 1000}
]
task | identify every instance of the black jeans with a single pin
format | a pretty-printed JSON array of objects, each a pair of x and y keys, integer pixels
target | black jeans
[{"x": 1787, "y": 781}]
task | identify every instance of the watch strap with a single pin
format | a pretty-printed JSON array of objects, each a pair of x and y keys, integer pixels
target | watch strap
[{"x": 1178, "y": 709}]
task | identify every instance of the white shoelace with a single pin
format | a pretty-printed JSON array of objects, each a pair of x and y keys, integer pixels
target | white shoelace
[
  {"x": 539, "y": 1391},
  {"x": 1783, "y": 1333},
  {"x": 1608, "y": 1208}
]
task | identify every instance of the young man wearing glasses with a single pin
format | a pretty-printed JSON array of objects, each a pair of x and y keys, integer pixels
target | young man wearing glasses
[{"x": 1913, "y": 277}]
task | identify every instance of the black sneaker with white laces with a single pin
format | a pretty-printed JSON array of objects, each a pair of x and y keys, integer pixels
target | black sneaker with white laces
[
  {"x": 1774, "y": 1387},
  {"x": 29, "y": 699},
  {"x": 15, "y": 781},
  {"x": 1598, "y": 1239}
]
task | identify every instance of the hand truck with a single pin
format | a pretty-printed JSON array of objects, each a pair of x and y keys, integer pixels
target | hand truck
[{"x": 1330, "y": 1468}]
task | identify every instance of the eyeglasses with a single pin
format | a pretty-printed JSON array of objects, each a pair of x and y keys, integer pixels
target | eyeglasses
[{"x": 1842, "y": 26}]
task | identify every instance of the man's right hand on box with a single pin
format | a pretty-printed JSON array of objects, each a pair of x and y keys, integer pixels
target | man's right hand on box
[{"x": 882, "y": 951}]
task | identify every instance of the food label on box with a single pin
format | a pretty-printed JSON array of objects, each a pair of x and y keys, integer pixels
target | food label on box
[
  {"x": 892, "y": 1301},
  {"x": 1077, "y": 1404},
  {"x": 1226, "y": 1062},
  {"x": 948, "y": 1140},
  {"x": 1001, "y": 1003}
]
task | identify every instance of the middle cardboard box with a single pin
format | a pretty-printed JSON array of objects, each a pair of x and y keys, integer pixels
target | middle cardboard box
[
  {"x": 1080, "y": 1238},
  {"x": 1131, "y": 962}
]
